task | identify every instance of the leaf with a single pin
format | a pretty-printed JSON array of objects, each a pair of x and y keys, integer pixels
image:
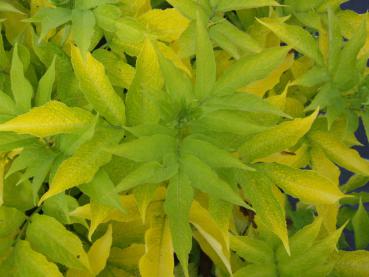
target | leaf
[
  {"x": 147, "y": 148},
  {"x": 57, "y": 119},
  {"x": 51, "y": 18},
  {"x": 119, "y": 72},
  {"x": 236, "y": 42},
  {"x": 276, "y": 139},
  {"x": 144, "y": 90},
  {"x": 158, "y": 259},
  {"x": 340, "y": 153},
  {"x": 97, "y": 88},
  {"x": 21, "y": 87},
  {"x": 59, "y": 207},
  {"x": 25, "y": 262},
  {"x": 203, "y": 178},
  {"x": 177, "y": 83},
  {"x": 99, "y": 252},
  {"x": 102, "y": 190},
  {"x": 306, "y": 185},
  {"x": 50, "y": 238},
  {"x": 360, "y": 223},
  {"x": 240, "y": 102},
  {"x": 10, "y": 220},
  {"x": 211, "y": 154},
  {"x": 167, "y": 24},
  {"x": 45, "y": 86},
  {"x": 205, "y": 61},
  {"x": 6, "y": 7},
  {"x": 84, "y": 164},
  {"x": 296, "y": 37},
  {"x": 249, "y": 69},
  {"x": 209, "y": 236},
  {"x": 351, "y": 263},
  {"x": 259, "y": 190},
  {"x": 177, "y": 207},
  {"x": 346, "y": 73},
  {"x": 150, "y": 172},
  {"x": 83, "y": 28},
  {"x": 252, "y": 250},
  {"x": 229, "y": 5}
]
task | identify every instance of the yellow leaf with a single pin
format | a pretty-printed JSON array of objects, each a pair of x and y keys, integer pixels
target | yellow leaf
[
  {"x": 57, "y": 118},
  {"x": 97, "y": 88},
  {"x": 167, "y": 25},
  {"x": 296, "y": 159},
  {"x": 260, "y": 87},
  {"x": 158, "y": 260},
  {"x": 329, "y": 215},
  {"x": 101, "y": 214},
  {"x": 276, "y": 139},
  {"x": 321, "y": 164},
  {"x": 99, "y": 252},
  {"x": 210, "y": 236},
  {"x": 127, "y": 258},
  {"x": 306, "y": 185},
  {"x": 339, "y": 153}
]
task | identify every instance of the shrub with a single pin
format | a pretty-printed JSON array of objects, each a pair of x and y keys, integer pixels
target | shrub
[{"x": 182, "y": 138}]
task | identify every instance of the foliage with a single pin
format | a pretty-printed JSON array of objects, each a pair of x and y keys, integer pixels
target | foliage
[{"x": 182, "y": 138}]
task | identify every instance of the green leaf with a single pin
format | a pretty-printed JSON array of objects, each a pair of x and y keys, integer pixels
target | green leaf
[
  {"x": 45, "y": 86},
  {"x": 249, "y": 69},
  {"x": 85, "y": 162},
  {"x": 233, "y": 40},
  {"x": 360, "y": 223},
  {"x": 97, "y": 88},
  {"x": 296, "y": 37},
  {"x": 259, "y": 190},
  {"x": 205, "y": 61},
  {"x": 21, "y": 87},
  {"x": 177, "y": 207},
  {"x": 52, "y": 239},
  {"x": 89, "y": 4},
  {"x": 229, "y": 5},
  {"x": 252, "y": 250},
  {"x": 83, "y": 28},
  {"x": 240, "y": 102},
  {"x": 102, "y": 190},
  {"x": 7, "y": 105},
  {"x": 211, "y": 154},
  {"x": 57, "y": 118},
  {"x": 51, "y": 18},
  {"x": 203, "y": 178},
  {"x": 150, "y": 173},
  {"x": 145, "y": 149},
  {"x": 346, "y": 73},
  {"x": 24, "y": 262},
  {"x": 306, "y": 185},
  {"x": 340, "y": 153},
  {"x": 276, "y": 139},
  {"x": 177, "y": 83},
  {"x": 6, "y": 7}
]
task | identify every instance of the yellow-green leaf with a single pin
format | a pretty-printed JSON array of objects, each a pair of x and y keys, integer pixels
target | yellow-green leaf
[
  {"x": 339, "y": 153},
  {"x": 97, "y": 88},
  {"x": 84, "y": 164},
  {"x": 259, "y": 190},
  {"x": 306, "y": 185},
  {"x": 52, "y": 239},
  {"x": 279, "y": 138},
  {"x": 24, "y": 262},
  {"x": 57, "y": 118},
  {"x": 296, "y": 37}
]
